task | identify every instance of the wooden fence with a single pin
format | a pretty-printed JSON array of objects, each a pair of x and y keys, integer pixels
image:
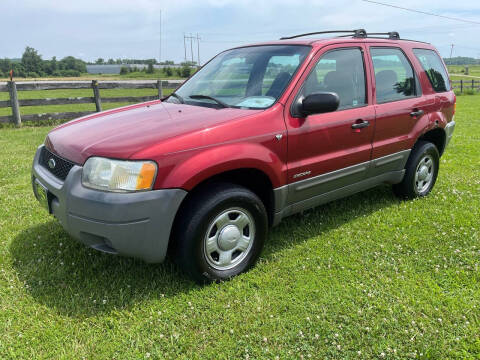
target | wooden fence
[
  {"x": 466, "y": 84},
  {"x": 15, "y": 103}
]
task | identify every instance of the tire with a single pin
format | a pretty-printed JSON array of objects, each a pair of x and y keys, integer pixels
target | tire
[
  {"x": 220, "y": 232},
  {"x": 421, "y": 172}
]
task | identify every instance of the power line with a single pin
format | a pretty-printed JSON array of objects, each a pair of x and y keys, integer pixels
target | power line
[{"x": 423, "y": 12}]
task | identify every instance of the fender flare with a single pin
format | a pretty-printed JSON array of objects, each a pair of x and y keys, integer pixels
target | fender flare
[{"x": 201, "y": 164}]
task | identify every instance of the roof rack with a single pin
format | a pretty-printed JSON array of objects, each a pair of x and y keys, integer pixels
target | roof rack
[
  {"x": 359, "y": 33},
  {"x": 393, "y": 35}
]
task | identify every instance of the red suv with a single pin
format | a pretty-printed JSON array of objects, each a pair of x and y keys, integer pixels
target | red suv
[{"x": 259, "y": 133}]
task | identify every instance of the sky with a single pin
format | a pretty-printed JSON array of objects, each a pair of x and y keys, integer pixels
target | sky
[{"x": 90, "y": 29}]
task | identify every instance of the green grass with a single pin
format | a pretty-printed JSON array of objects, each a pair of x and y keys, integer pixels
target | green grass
[
  {"x": 473, "y": 70},
  {"x": 365, "y": 277}
]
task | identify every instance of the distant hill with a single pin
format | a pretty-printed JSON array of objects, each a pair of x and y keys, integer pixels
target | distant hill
[{"x": 460, "y": 60}]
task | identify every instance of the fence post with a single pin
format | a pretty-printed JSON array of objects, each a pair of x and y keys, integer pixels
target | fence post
[
  {"x": 96, "y": 95},
  {"x": 160, "y": 89},
  {"x": 473, "y": 84},
  {"x": 12, "y": 89},
  {"x": 461, "y": 86}
]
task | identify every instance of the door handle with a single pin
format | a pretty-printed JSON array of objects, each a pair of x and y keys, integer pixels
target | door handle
[
  {"x": 416, "y": 113},
  {"x": 359, "y": 124}
]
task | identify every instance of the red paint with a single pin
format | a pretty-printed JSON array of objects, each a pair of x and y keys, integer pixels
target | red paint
[{"x": 193, "y": 143}]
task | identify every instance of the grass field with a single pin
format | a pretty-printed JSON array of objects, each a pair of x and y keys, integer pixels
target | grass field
[
  {"x": 473, "y": 70},
  {"x": 365, "y": 277}
]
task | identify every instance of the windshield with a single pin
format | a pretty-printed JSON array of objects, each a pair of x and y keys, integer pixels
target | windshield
[{"x": 251, "y": 77}]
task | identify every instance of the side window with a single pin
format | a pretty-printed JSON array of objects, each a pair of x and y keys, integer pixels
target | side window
[
  {"x": 278, "y": 73},
  {"x": 434, "y": 69},
  {"x": 340, "y": 71},
  {"x": 394, "y": 76}
]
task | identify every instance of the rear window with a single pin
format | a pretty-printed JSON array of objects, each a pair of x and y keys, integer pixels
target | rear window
[
  {"x": 394, "y": 76},
  {"x": 433, "y": 67}
]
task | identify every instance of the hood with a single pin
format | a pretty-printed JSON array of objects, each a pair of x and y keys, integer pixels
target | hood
[{"x": 120, "y": 133}]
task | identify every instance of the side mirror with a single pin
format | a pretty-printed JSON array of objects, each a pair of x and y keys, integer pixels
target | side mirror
[{"x": 318, "y": 103}]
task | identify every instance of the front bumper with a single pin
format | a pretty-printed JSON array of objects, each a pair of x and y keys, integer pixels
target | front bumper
[
  {"x": 131, "y": 224},
  {"x": 449, "y": 128}
]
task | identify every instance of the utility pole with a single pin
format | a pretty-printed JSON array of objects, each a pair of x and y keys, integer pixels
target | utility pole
[
  {"x": 160, "y": 49},
  {"x": 198, "y": 49},
  {"x": 192, "y": 38},
  {"x": 451, "y": 51},
  {"x": 191, "y": 46},
  {"x": 185, "y": 46}
]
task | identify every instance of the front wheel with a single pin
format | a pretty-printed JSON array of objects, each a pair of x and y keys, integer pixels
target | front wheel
[
  {"x": 220, "y": 232},
  {"x": 421, "y": 171}
]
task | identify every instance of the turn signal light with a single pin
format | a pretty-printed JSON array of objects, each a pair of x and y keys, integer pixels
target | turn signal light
[{"x": 146, "y": 176}]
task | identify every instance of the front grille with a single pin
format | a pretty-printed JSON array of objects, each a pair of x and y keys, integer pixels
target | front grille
[{"x": 62, "y": 166}]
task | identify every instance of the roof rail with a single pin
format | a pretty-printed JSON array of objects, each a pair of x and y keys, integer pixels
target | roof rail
[
  {"x": 393, "y": 35},
  {"x": 360, "y": 33}
]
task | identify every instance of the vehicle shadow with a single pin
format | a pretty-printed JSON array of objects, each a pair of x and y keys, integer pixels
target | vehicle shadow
[{"x": 76, "y": 281}]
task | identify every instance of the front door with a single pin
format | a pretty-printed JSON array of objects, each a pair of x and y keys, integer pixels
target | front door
[{"x": 331, "y": 150}]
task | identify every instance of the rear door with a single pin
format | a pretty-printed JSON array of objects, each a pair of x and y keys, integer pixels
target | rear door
[
  {"x": 331, "y": 150},
  {"x": 398, "y": 103}
]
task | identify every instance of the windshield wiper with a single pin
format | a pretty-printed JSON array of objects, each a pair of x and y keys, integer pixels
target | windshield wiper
[
  {"x": 178, "y": 97},
  {"x": 220, "y": 102}
]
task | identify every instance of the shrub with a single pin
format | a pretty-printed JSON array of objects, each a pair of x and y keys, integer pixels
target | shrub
[
  {"x": 150, "y": 69},
  {"x": 186, "y": 71},
  {"x": 123, "y": 70},
  {"x": 32, "y": 74},
  {"x": 168, "y": 71}
]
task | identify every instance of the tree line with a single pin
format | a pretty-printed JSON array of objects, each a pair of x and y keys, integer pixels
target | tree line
[
  {"x": 462, "y": 60},
  {"x": 32, "y": 65}
]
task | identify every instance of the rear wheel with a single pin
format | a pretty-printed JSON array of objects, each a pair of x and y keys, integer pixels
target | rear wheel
[
  {"x": 220, "y": 232},
  {"x": 421, "y": 171}
]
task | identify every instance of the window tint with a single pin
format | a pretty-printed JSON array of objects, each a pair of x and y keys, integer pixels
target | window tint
[
  {"x": 434, "y": 69},
  {"x": 394, "y": 76},
  {"x": 340, "y": 71}
]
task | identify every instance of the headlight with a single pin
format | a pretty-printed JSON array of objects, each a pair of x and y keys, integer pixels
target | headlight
[{"x": 118, "y": 175}]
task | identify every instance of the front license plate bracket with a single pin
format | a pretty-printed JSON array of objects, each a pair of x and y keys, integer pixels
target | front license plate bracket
[{"x": 42, "y": 194}]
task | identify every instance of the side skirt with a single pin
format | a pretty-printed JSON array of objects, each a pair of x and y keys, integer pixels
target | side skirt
[{"x": 339, "y": 184}]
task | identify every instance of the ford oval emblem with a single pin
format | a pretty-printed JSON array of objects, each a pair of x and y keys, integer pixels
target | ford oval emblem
[{"x": 52, "y": 163}]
